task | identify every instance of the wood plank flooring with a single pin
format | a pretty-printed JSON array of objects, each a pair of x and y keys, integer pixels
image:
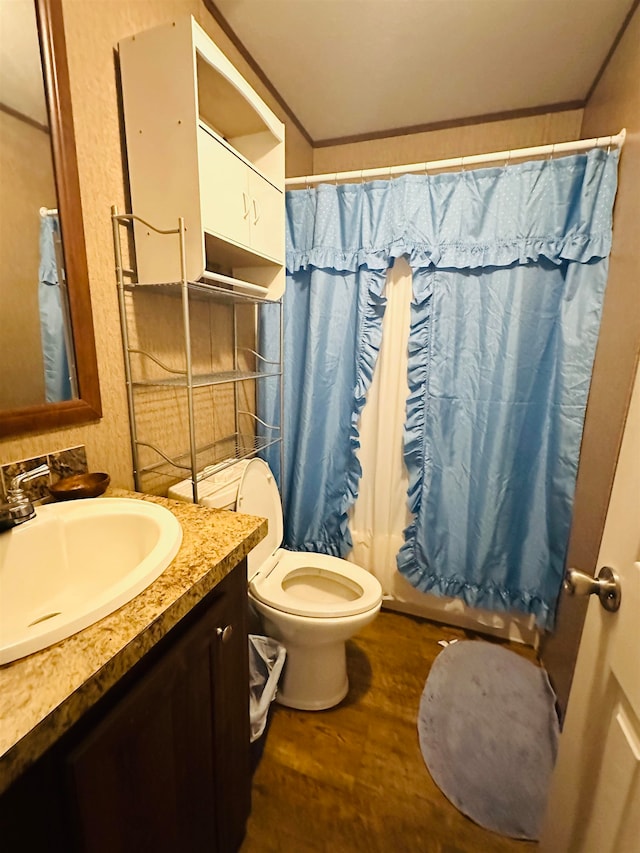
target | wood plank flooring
[{"x": 352, "y": 779}]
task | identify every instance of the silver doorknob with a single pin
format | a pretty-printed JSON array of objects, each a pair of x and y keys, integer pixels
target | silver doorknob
[
  {"x": 225, "y": 633},
  {"x": 606, "y": 586}
]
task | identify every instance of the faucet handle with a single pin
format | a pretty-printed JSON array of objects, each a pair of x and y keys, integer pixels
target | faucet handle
[
  {"x": 19, "y": 479},
  {"x": 19, "y": 506}
]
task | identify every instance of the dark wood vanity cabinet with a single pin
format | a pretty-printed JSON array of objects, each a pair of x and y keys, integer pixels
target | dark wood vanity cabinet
[{"x": 163, "y": 762}]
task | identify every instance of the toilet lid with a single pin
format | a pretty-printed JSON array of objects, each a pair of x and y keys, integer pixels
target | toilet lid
[
  {"x": 317, "y": 585},
  {"x": 258, "y": 495}
]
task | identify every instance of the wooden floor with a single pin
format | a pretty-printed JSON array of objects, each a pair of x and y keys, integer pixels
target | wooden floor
[{"x": 352, "y": 779}]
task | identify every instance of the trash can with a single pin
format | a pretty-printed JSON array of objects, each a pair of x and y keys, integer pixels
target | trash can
[{"x": 266, "y": 659}]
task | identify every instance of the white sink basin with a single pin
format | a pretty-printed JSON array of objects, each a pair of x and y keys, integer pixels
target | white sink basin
[{"x": 75, "y": 563}]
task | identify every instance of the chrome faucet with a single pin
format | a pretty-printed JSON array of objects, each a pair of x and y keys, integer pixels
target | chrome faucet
[{"x": 18, "y": 507}]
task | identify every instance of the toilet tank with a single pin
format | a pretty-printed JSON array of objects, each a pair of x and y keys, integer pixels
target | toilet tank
[{"x": 219, "y": 490}]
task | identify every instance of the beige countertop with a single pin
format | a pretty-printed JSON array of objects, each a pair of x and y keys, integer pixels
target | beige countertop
[{"x": 44, "y": 694}]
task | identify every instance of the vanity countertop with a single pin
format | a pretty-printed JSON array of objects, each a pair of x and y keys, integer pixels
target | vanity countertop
[{"x": 44, "y": 694}]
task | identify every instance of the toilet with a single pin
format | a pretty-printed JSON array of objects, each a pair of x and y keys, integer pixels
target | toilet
[{"x": 312, "y": 603}]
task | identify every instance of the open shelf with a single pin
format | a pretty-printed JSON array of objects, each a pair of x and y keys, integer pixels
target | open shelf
[
  {"x": 219, "y": 288},
  {"x": 204, "y": 381},
  {"x": 222, "y": 453},
  {"x": 185, "y": 418}
]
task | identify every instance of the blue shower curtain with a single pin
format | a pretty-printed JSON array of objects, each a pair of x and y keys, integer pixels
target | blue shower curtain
[
  {"x": 509, "y": 268},
  {"x": 329, "y": 360}
]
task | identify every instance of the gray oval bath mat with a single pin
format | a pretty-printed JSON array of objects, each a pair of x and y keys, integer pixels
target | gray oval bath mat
[{"x": 489, "y": 735}]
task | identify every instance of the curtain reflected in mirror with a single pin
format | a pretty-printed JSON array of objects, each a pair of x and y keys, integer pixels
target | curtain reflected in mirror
[
  {"x": 36, "y": 344},
  {"x": 60, "y": 381}
]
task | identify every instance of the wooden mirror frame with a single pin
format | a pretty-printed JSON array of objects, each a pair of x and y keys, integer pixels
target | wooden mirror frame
[{"x": 87, "y": 407}]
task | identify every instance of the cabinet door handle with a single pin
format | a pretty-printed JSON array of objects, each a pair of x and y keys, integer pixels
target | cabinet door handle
[
  {"x": 245, "y": 205},
  {"x": 256, "y": 211},
  {"x": 225, "y": 633}
]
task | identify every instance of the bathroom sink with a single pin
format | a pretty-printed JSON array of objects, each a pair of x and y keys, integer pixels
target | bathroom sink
[{"x": 75, "y": 563}]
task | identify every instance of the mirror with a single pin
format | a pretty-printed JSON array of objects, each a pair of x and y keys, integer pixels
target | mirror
[{"x": 49, "y": 280}]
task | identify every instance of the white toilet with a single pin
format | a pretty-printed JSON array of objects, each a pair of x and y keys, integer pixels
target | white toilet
[{"x": 312, "y": 603}]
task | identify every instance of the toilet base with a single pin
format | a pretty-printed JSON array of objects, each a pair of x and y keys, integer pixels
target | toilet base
[
  {"x": 315, "y": 671},
  {"x": 314, "y": 678}
]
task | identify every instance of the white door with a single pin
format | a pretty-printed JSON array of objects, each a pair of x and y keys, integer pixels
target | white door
[{"x": 594, "y": 798}]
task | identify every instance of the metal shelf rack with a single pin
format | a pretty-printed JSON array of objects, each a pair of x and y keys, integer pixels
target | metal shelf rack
[{"x": 199, "y": 459}]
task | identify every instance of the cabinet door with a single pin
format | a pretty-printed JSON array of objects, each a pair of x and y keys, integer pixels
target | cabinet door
[
  {"x": 230, "y": 691},
  {"x": 167, "y": 768},
  {"x": 267, "y": 218},
  {"x": 224, "y": 191}
]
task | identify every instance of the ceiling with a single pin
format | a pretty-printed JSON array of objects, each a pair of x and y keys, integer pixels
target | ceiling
[{"x": 363, "y": 67}]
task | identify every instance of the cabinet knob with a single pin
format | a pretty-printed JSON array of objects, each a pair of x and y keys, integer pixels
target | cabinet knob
[{"x": 225, "y": 633}]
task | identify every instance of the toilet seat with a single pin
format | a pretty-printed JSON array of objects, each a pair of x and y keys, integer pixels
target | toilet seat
[
  {"x": 318, "y": 585},
  {"x": 295, "y": 582}
]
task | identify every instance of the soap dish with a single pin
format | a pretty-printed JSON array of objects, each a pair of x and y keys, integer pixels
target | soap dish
[{"x": 80, "y": 486}]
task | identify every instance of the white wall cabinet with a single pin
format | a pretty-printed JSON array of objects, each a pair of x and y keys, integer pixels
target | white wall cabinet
[{"x": 201, "y": 145}]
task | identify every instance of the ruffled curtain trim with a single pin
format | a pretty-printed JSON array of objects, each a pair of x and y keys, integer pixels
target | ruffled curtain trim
[
  {"x": 488, "y": 596},
  {"x": 418, "y": 376},
  {"x": 463, "y": 220}
]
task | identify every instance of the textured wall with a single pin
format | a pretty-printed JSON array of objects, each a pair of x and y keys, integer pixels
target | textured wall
[
  {"x": 93, "y": 30},
  {"x": 615, "y": 104},
  {"x": 452, "y": 142}
]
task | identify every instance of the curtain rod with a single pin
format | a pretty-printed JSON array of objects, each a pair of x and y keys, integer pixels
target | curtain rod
[{"x": 616, "y": 141}]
